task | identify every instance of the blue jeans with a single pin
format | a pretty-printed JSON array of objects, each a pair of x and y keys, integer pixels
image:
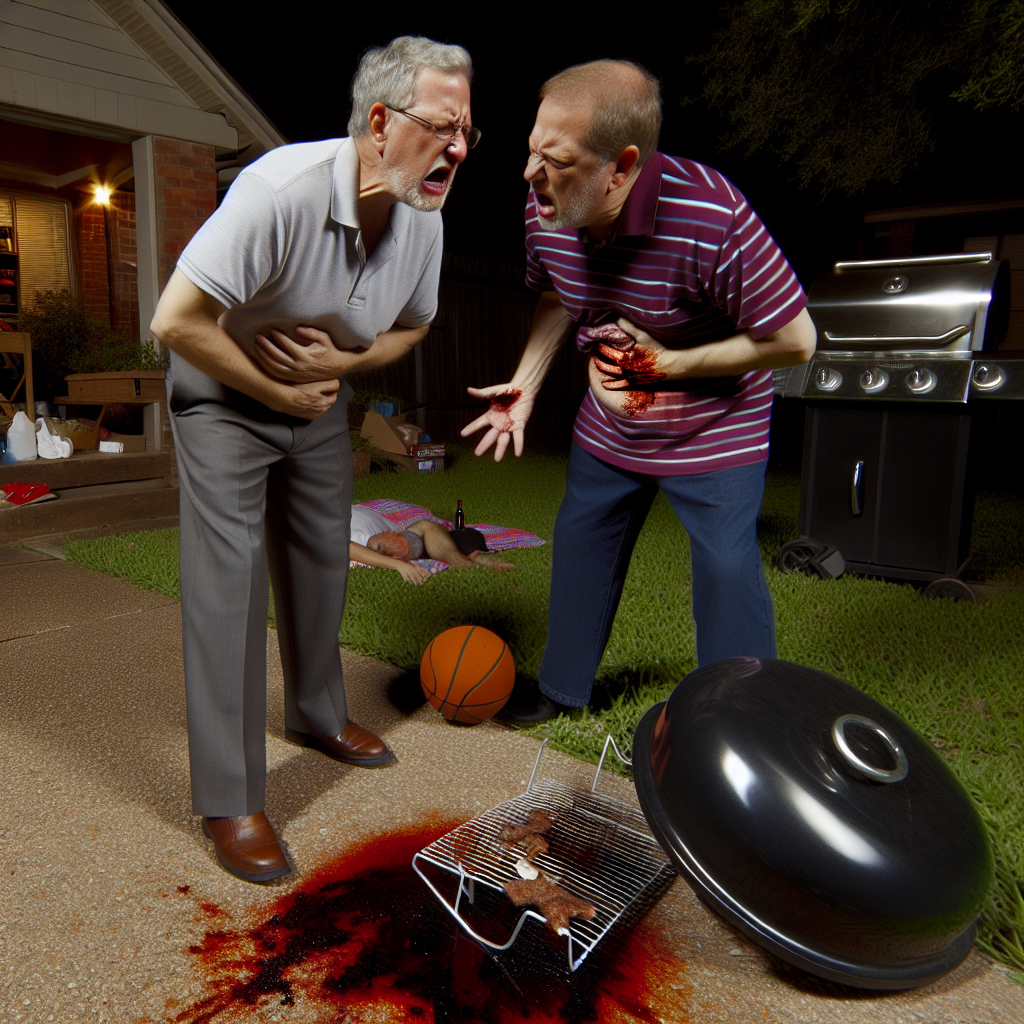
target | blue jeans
[{"x": 597, "y": 526}]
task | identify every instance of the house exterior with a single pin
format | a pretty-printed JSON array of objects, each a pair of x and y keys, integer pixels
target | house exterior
[{"x": 115, "y": 95}]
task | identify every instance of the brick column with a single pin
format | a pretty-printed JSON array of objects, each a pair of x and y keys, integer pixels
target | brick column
[
  {"x": 185, "y": 179},
  {"x": 92, "y": 258}
]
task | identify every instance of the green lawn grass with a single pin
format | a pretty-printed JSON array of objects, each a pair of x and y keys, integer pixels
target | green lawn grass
[{"x": 953, "y": 670}]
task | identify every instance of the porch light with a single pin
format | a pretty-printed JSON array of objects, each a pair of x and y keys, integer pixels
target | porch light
[{"x": 102, "y": 194}]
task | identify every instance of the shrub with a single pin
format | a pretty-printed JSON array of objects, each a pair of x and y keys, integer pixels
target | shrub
[{"x": 67, "y": 338}]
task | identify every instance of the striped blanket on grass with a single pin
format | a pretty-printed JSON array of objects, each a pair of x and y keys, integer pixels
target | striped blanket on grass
[{"x": 402, "y": 514}]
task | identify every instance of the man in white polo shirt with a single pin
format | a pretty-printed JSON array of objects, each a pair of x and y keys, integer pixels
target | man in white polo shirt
[{"x": 323, "y": 260}]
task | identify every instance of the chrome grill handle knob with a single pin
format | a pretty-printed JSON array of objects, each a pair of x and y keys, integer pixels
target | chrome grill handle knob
[
  {"x": 920, "y": 381},
  {"x": 827, "y": 379},
  {"x": 988, "y": 377},
  {"x": 874, "y": 380}
]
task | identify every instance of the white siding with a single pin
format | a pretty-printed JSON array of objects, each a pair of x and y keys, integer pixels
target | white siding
[{"x": 67, "y": 58}]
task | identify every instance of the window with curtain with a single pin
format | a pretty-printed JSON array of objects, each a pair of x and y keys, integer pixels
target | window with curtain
[{"x": 42, "y": 230}]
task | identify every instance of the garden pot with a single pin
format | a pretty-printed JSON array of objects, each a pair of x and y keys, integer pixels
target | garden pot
[{"x": 815, "y": 821}]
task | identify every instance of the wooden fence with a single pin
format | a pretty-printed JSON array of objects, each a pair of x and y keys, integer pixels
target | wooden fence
[{"x": 484, "y": 316}]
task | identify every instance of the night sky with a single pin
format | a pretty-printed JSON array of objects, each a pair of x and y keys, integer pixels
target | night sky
[{"x": 298, "y": 70}]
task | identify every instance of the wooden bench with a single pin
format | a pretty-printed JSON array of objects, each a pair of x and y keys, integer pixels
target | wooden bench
[{"x": 123, "y": 387}]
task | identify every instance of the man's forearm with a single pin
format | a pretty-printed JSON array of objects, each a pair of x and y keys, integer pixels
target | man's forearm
[
  {"x": 790, "y": 345},
  {"x": 388, "y": 347},
  {"x": 186, "y": 322},
  {"x": 551, "y": 324},
  {"x": 367, "y": 556}
]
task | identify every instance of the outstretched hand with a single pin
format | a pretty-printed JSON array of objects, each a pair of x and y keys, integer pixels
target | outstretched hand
[
  {"x": 411, "y": 573},
  {"x": 506, "y": 417}
]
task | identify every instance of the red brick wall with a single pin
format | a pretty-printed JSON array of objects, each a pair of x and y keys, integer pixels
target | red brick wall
[
  {"x": 92, "y": 257},
  {"x": 186, "y": 194}
]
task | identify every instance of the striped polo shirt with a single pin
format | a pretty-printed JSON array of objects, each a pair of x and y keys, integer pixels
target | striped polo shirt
[{"x": 689, "y": 262}]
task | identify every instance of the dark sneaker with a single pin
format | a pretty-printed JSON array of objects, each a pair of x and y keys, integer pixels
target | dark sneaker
[{"x": 531, "y": 710}]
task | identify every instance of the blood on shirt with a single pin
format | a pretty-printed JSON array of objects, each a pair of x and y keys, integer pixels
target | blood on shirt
[{"x": 638, "y": 367}]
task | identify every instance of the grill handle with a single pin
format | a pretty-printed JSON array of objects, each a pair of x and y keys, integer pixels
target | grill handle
[
  {"x": 935, "y": 339},
  {"x": 857, "y": 489}
]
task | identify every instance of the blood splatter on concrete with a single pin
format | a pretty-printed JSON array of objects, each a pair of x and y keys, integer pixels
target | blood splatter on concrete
[{"x": 363, "y": 937}]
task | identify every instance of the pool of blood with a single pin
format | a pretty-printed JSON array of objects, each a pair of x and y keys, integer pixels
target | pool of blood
[{"x": 364, "y": 937}]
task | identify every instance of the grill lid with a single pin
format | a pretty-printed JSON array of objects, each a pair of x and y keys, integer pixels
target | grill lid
[
  {"x": 954, "y": 303},
  {"x": 814, "y": 820}
]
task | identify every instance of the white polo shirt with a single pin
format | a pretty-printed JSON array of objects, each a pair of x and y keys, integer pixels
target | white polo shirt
[{"x": 284, "y": 249}]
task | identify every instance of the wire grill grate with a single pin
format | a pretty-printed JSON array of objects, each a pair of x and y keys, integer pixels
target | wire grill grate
[{"x": 601, "y": 850}]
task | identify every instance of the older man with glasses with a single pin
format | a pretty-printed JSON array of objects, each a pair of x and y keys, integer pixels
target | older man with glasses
[
  {"x": 684, "y": 303},
  {"x": 323, "y": 260}
]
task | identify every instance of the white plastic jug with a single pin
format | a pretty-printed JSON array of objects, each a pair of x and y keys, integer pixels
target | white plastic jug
[{"x": 21, "y": 438}]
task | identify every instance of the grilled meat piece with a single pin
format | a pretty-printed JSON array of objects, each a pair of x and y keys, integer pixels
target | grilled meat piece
[
  {"x": 539, "y": 821},
  {"x": 532, "y": 845},
  {"x": 555, "y": 903}
]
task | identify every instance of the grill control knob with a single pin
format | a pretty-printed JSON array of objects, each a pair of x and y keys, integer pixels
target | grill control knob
[
  {"x": 988, "y": 377},
  {"x": 827, "y": 379},
  {"x": 874, "y": 380},
  {"x": 920, "y": 381}
]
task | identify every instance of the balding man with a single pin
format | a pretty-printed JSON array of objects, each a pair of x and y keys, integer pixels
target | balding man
[
  {"x": 685, "y": 304},
  {"x": 337, "y": 243}
]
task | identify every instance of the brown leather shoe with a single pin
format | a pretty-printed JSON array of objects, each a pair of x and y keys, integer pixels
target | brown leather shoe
[
  {"x": 247, "y": 847},
  {"x": 354, "y": 745}
]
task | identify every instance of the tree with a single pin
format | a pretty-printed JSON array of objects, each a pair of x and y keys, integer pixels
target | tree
[{"x": 842, "y": 88}]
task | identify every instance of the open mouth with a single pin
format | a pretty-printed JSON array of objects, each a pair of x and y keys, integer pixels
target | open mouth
[
  {"x": 437, "y": 181},
  {"x": 545, "y": 207}
]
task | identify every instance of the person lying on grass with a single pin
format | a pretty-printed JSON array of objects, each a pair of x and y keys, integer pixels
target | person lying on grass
[{"x": 374, "y": 541}]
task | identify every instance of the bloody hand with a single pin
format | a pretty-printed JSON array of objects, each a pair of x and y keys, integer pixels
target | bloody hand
[
  {"x": 507, "y": 413},
  {"x": 634, "y": 368}
]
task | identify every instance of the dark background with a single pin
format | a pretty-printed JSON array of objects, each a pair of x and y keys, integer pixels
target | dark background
[{"x": 298, "y": 70}]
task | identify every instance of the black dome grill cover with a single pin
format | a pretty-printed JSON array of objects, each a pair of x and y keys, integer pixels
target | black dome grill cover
[{"x": 865, "y": 882}]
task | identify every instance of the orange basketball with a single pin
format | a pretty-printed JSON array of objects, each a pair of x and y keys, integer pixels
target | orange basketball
[{"x": 467, "y": 673}]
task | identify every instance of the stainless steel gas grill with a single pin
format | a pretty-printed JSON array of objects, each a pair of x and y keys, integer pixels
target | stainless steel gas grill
[{"x": 905, "y": 350}]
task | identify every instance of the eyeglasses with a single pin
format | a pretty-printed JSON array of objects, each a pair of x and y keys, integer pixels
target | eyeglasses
[{"x": 445, "y": 132}]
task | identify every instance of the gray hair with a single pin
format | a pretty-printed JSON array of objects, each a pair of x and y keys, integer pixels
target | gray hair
[
  {"x": 388, "y": 75},
  {"x": 626, "y": 100}
]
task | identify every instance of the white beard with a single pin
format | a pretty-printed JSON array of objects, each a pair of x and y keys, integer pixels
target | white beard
[{"x": 405, "y": 187}]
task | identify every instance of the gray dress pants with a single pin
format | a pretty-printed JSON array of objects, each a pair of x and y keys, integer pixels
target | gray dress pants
[{"x": 259, "y": 493}]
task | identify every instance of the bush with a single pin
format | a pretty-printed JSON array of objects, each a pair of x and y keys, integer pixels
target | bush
[{"x": 67, "y": 338}]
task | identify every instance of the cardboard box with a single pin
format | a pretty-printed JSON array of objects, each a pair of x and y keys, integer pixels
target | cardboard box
[
  {"x": 383, "y": 433},
  {"x": 130, "y": 442},
  {"x": 82, "y": 436}
]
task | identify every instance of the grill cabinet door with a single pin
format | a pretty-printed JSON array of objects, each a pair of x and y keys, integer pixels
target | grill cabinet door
[
  {"x": 915, "y": 500},
  {"x": 836, "y": 440},
  {"x": 923, "y": 511}
]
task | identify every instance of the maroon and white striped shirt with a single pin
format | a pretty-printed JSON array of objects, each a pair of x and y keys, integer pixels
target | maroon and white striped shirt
[{"x": 689, "y": 262}]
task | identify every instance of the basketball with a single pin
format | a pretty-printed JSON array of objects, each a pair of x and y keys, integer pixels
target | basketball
[{"x": 467, "y": 673}]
